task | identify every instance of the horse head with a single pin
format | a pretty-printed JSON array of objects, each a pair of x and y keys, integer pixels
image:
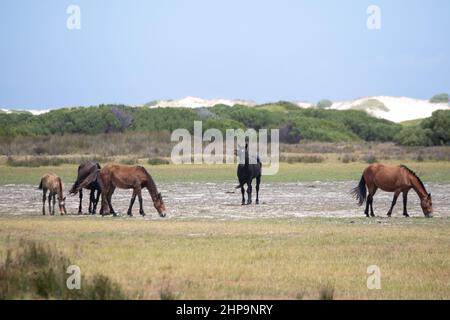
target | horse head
[
  {"x": 62, "y": 205},
  {"x": 427, "y": 206},
  {"x": 159, "y": 205}
]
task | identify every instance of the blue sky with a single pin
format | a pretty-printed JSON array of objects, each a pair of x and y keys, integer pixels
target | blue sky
[{"x": 136, "y": 51}]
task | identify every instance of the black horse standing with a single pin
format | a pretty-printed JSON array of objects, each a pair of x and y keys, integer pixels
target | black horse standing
[
  {"x": 246, "y": 172},
  {"x": 84, "y": 170}
]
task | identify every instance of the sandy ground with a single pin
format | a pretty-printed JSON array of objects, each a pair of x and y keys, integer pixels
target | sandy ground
[{"x": 221, "y": 201}]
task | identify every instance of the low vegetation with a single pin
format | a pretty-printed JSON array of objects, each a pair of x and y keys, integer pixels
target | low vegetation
[
  {"x": 32, "y": 270},
  {"x": 433, "y": 131},
  {"x": 312, "y": 258}
]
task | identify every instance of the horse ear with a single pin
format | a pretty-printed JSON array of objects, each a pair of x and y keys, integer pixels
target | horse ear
[{"x": 429, "y": 196}]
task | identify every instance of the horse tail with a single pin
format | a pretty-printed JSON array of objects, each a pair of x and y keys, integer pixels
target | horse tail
[
  {"x": 40, "y": 185},
  {"x": 238, "y": 186},
  {"x": 74, "y": 188},
  {"x": 360, "y": 191},
  {"x": 93, "y": 176}
]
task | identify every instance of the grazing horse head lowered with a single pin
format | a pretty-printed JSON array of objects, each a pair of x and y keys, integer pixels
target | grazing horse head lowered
[
  {"x": 399, "y": 179},
  {"x": 54, "y": 185},
  {"x": 114, "y": 176}
]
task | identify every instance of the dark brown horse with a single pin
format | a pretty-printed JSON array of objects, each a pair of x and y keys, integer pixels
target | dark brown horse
[
  {"x": 114, "y": 176},
  {"x": 84, "y": 170},
  {"x": 398, "y": 179},
  {"x": 54, "y": 186},
  {"x": 249, "y": 168}
]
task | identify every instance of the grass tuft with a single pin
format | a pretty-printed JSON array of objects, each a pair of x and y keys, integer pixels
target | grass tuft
[{"x": 36, "y": 271}]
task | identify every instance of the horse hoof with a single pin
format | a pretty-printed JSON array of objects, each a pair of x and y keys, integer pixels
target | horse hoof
[{"x": 257, "y": 202}]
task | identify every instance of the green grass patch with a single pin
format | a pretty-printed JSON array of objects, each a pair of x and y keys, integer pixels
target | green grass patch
[{"x": 330, "y": 170}]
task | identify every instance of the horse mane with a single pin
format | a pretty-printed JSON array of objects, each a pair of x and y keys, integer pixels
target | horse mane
[
  {"x": 414, "y": 174},
  {"x": 60, "y": 188},
  {"x": 151, "y": 183}
]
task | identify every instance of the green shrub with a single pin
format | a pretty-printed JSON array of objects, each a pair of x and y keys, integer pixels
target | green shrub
[
  {"x": 302, "y": 159},
  {"x": 414, "y": 136},
  {"x": 371, "y": 158},
  {"x": 324, "y": 104},
  {"x": 129, "y": 161},
  {"x": 157, "y": 161},
  {"x": 438, "y": 127},
  {"x": 440, "y": 98}
]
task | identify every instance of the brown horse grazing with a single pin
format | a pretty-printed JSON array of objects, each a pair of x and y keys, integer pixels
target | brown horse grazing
[
  {"x": 126, "y": 177},
  {"x": 53, "y": 183},
  {"x": 398, "y": 179}
]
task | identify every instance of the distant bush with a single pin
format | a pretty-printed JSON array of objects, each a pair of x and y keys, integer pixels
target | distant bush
[
  {"x": 324, "y": 104},
  {"x": 310, "y": 128},
  {"x": 222, "y": 125},
  {"x": 440, "y": 98},
  {"x": 129, "y": 161},
  {"x": 414, "y": 136},
  {"x": 438, "y": 127},
  {"x": 43, "y": 161},
  {"x": 35, "y": 162},
  {"x": 347, "y": 158},
  {"x": 302, "y": 159},
  {"x": 371, "y": 158},
  {"x": 157, "y": 161}
]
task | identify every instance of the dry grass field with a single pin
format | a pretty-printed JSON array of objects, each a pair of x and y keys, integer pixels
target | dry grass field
[{"x": 250, "y": 259}]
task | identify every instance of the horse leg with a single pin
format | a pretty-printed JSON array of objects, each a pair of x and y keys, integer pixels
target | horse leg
[
  {"x": 371, "y": 195},
  {"x": 372, "y": 214},
  {"x": 130, "y": 208},
  {"x": 96, "y": 202},
  {"x": 111, "y": 191},
  {"x": 44, "y": 197},
  {"x": 104, "y": 201},
  {"x": 80, "y": 193},
  {"x": 54, "y": 203},
  {"x": 249, "y": 192},
  {"x": 50, "y": 203},
  {"x": 405, "y": 200},
  {"x": 258, "y": 181},
  {"x": 366, "y": 211},
  {"x": 91, "y": 201},
  {"x": 141, "y": 208},
  {"x": 394, "y": 201},
  {"x": 243, "y": 194}
]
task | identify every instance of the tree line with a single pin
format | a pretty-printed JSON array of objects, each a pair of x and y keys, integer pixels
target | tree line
[{"x": 295, "y": 124}]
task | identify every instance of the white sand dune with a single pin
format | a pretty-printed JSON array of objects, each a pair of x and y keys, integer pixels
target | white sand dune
[
  {"x": 194, "y": 102},
  {"x": 398, "y": 109}
]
